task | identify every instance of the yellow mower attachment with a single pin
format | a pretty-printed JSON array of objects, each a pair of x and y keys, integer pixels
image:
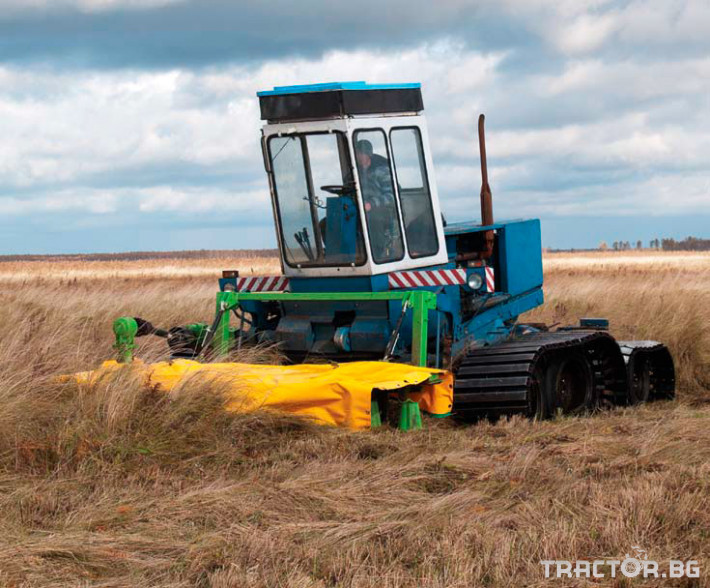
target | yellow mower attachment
[{"x": 343, "y": 395}]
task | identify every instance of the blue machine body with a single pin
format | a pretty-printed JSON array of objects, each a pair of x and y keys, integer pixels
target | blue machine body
[{"x": 463, "y": 318}]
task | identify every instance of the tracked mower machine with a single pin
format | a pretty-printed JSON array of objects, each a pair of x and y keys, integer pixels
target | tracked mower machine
[{"x": 427, "y": 311}]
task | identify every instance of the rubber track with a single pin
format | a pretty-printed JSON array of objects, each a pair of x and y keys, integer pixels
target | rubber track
[{"x": 498, "y": 379}]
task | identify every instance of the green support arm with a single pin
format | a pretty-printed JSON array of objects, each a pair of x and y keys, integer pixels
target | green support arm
[
  {"x": 421, "y": 305},
  {"x": 221, "y": 341}
]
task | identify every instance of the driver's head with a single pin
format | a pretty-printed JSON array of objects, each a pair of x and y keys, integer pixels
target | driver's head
[{"x": 363, "y": 153}]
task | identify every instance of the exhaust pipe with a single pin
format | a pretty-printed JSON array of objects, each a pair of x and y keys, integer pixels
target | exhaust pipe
[{"x": 486, "y": 196}]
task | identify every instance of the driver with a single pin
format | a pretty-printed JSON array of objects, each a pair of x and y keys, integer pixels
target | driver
[
  {"x": 378, "y": 200},
  {"x": 375, "y": 179}
]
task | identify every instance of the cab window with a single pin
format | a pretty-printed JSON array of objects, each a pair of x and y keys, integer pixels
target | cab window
[
  {"x": 414, "y": 195},
  {"x": 377, "y": 188}
]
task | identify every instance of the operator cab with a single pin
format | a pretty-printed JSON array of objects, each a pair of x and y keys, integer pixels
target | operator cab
[{"x": 351, "y": 178}]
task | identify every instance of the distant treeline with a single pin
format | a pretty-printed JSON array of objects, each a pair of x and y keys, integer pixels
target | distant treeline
[
  {"x": 140, "y": 255},
  {"x": 687, "y": 244}
]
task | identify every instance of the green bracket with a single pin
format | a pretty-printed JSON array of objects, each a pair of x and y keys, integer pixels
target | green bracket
[
  {"x": 410, "y": 418},
  {"x": 375, "y": 416},
  {"x": 125, "y": 329},
  {"x": 421, "y": 301}
]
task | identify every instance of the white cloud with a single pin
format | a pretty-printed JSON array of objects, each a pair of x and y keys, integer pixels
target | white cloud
[
  {"x": 581, "y": 27},
  {"x": 631, "y": 79},
  {"x": 665, "y": 21},
  {"x": 655, "y": 196},
  {"x": 94, "y": 123},
  {"x": 585, "y": 33},
  {"x": 166, "y": 199},
  {"x": 162, "y": 199},
  {"x": 61, "y": 201}
]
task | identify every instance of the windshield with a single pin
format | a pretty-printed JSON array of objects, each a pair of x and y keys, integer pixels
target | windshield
[{"x": 315, "y": 196}]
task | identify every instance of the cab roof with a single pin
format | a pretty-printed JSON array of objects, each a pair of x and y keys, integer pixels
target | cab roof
[{"x": 338, "y": 100}]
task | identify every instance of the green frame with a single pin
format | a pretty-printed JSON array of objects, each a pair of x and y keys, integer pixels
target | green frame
[{"x": 421, "y": 302}]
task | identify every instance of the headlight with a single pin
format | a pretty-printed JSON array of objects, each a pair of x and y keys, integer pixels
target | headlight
[{"x": 474, "y": 281}]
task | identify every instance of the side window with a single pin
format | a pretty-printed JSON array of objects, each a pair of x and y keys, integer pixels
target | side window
[
  {"x": 377, "y": 187},
  {"x": 414, "y": 195}
]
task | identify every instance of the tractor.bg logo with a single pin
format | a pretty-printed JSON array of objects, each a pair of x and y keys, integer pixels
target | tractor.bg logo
[{"x": 630, "y": 567}]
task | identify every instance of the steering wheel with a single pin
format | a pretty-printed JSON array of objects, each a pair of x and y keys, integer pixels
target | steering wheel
[{"x": 339, "y": 190}]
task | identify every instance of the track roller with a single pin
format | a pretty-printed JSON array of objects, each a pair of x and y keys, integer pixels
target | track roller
[
  {"x": 571, "y": 382},
  {"x": 650, "y": 370}
]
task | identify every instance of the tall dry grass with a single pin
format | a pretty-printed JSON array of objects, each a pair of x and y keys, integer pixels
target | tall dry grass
[
  {"x": 53, "y": 269},
  {"x": 122, "y": 486}
]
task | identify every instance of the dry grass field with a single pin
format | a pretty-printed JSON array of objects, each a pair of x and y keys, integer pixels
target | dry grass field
[{"x": 125, "y": 487}]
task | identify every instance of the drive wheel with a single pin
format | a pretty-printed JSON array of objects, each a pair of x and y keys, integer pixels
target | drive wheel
[{"x": 571, "y": 384}]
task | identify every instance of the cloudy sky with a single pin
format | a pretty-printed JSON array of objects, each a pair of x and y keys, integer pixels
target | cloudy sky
[{"x": 133, "y": 124}]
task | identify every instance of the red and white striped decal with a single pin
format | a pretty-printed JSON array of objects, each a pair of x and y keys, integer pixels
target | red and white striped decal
[
  {"x": 262, "y": 284},
  {"x": 490, "y": 279},
  {"x": 421, "y": 278}
]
